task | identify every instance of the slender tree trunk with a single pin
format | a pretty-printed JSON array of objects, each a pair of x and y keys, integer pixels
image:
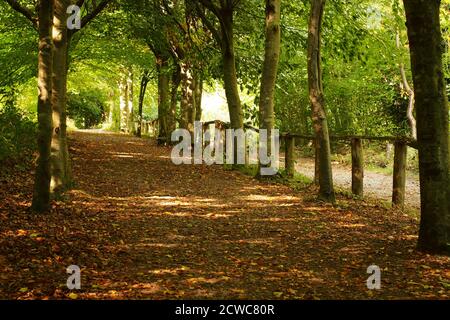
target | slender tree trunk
[
  {"x": 229, "y": 70},
  {"x": 60, "y": 160},
  {"x": 188, "y": 97},
  {"x": 111, "y": 107},
  {"x": 59, "y": 141},
  {"x": 410, "y": 111},
  {"x": 198, "y": 96},
  {"x": 116, "y": 110},
  {"x": 316, "y": 96},
  {"x": 225, "y": 38},
  {"x": 188, "y": 72},
  {"x": 64, "y": 144},
  {"x": 270, "y": 69},
  {"x": 176, "y": 80},
  {"x": 130, "y": 118},
  {"x": 143, "y": 88},
  {"x": 41, "y": 195},
  {"x": 124, "y": 103},
  {"x": 425, "y": 39},
  {"x": 163, "y": 99}
]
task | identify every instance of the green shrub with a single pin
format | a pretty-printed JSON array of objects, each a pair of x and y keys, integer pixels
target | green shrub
[
  {"x": 17, "y": 135},
  {"x": 86, "y": 108}
]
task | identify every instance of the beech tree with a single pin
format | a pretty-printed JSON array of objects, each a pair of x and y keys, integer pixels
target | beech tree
[
  {"x": 183, "y": 28},
  {"x": 42, "y": 21},
  {"x": 41, "y": 195},
  {"x": 224, "y": 35},
  {"x": 61, "y": 37},
  {"x": 157, "y": 28},
  {"x": 425, "y": 41},
  {"x": 317, "y": 100},
  {"x": 61, "y": 169},
  {"x": 270, "y": 68},
  {"x": 145, "y": 79}
]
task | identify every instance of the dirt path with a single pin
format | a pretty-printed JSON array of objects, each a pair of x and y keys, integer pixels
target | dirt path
[
  {"x": 143, "y": 228},
  {"x": 376, "y": 185}
]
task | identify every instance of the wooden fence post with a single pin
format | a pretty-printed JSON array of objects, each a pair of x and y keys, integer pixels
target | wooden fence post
[
  {"x": 399, "y": 183},
  {"x": 289, "y": 156},
  {"x": 357, "y": 168}
]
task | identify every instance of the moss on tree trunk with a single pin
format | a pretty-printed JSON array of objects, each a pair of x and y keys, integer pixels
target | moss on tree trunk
[{"x": 425, "y": 40}]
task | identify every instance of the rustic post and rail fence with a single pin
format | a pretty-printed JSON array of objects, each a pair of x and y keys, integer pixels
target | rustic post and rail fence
[
  {"x": 399, "y": 174},
  {"x": 356, "y": 141}
]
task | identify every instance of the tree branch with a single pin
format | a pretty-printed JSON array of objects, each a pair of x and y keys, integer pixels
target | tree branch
[
  {"x": 24, "y": 11},
  {"x": 213, "y": 8},
  {"x": 88, "y": 18},
  {"x": 209, "y": 25},
  {"x": 226, "y": 8},
  {"x": 80, "y": 3},
  {"x": 172, "y": 15},
  {"x": 410, "y": 92}
]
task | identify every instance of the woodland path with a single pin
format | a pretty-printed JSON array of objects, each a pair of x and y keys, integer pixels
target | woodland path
[{"x": 143, "y": 228}]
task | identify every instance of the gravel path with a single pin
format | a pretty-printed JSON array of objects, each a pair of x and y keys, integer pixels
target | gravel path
[{"x": 376, "y": 185}]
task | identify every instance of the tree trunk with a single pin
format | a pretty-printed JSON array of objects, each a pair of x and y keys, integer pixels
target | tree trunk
[
  {"x": 41, "y": 195},
  {"x": 399, "y": 175},
  {"x": 163, "y": 99},
  {"x": 229, "y": 70},
  {"x": 316, "y": 163},
  {"x": 198, "y": 96},
  {"x": 59, "y": 148},
  {"x": 357, "y": 168},
  {"x": 61, "y": 170},
  {"x": 410, "y": 111},
  {"x": 316, "y": 96},
  {"x": 425, "y": 39},
  {"x": 176, "y": 80},
  {"x": 130, "y": 117},
  {"x": 123, "y": 91},
  {"x": 143, "y": 88},
  {"x": 188, "y": 97},
  {"x": 270, "y": 69},
  {"x": 126, "y": 101}
]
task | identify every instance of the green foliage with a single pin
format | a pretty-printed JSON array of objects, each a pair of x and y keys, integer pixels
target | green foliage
[
  {"x": 18, "y": 54},
  {"x": 86, "y": 108},
  {"x": 361, "y": 73},
  {"x": 360, "y": 61},
  {"x": 17, "y": 135}
]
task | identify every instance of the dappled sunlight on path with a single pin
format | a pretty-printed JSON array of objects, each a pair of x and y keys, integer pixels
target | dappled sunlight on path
[{"x": 141, "y": 227}]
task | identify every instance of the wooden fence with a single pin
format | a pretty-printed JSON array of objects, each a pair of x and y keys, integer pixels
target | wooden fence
[{"x": 400, "y": 156}]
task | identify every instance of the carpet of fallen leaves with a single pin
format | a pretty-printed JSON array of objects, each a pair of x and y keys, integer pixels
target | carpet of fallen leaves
[{"x": 142, "y": 228}]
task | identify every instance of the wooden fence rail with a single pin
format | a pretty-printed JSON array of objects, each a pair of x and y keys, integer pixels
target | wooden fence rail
[
  {"x": 399, "y": 175},
  {"x": 356, "y": 141}
]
